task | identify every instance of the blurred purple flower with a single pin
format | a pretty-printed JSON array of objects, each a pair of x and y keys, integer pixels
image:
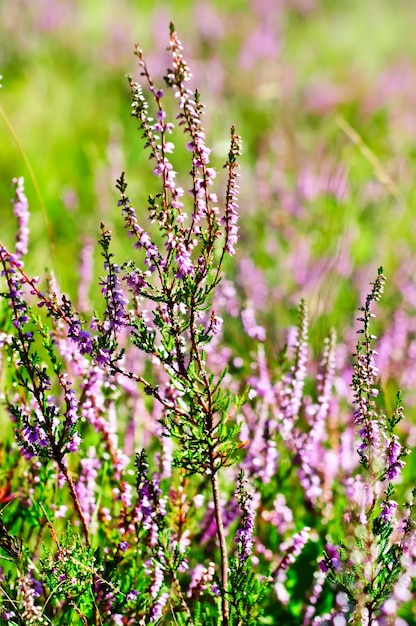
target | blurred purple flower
[
  {"x": 21, "y": 212},
  {"x": 244, "y": 535}
]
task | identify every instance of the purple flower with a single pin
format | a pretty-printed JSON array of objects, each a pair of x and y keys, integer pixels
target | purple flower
[
  {"x": 293, "y": 383},
  {"x": 230, "y": 219},
  {"x": 388, "y": 510},
  {"x": 80, "y": 337},
  {"x": 333, "y": 559},
  {"x": 115, "y": 313},
  {"x": 250, "y": 325},
  {"x": 86, "y": 485},
  {"x": 8, "y": 615},
  {"x": 132, "y": 595},
  {"x": 33, "y": 438},
  {"x": 158, "y": 576},
  {"x": 161, "y": 115},
  {"x": 31, "y": 434},
  {"x": 244, "y": 535},
  {"x": 135, "y": 281},
  {"x": 200, "y": 576},
  {"x": 103, "y": 357},
  {"x": 36, "y": 584},
  {"x": 363, "y": 381},
  {"x": 393, "y": 454},
  {"x": 74, "y": 443},
  {"x": 215, "y": 590},
  {"x": 291, "y": 549},
  {"x": 71, "y": 413},
  {"x": 21, "y": 212},
  {"x": 216, "y": 324},
  {"x": 157, "y": 608},
  {"x": 184, "y": 261}
]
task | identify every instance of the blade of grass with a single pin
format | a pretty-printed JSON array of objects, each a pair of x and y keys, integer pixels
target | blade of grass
[
  {"x": 34, "y": 182},
  {"x": 379, "y": 170}
]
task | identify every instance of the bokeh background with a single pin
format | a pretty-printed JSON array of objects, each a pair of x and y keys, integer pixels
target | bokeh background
[{"x": 323, "y": 93}]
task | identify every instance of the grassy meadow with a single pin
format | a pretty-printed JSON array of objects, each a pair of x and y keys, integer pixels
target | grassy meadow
[{"x": 323, "y": 96}]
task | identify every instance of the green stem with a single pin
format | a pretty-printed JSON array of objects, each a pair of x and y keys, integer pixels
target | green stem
[{"x": 223, "y": 548}]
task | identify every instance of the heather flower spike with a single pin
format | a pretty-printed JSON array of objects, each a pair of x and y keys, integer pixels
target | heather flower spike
[
  {"x": 244, "y": 535},
  {"x": 369, "y": 565}
]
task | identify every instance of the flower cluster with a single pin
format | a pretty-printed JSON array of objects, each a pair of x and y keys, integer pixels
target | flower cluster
[{"x": 244, "y": 535}]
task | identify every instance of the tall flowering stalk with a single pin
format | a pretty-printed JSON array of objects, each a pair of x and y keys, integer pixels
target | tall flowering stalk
[
  {"x": 179, "y": 277},
  {"x": 369, "y": 563}
]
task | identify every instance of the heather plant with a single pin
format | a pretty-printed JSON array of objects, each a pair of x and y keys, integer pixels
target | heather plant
[
  {"x": 152, "y": 473},
  {"x": 369, "y": 562}
]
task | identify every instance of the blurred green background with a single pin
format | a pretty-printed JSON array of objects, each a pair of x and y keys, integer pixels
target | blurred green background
[{"x": 323, "y": 93}]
